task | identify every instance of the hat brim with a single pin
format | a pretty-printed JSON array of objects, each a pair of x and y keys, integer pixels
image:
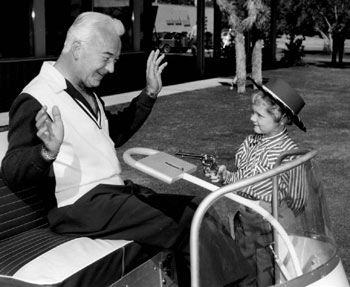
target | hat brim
[{"x": 295, "y": 119}]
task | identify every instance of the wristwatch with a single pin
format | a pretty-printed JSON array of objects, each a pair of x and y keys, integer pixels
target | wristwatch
[
  {"x": 46, "y": 154},
  {"x": 151, "y": 95}
]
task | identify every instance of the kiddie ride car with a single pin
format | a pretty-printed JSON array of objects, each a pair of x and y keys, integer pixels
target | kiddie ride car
[
  {"x": 32, "y": 255},
  {"x": 306, "y": 258}
]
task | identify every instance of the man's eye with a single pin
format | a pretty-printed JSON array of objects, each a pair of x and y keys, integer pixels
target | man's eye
[{"x": 109, "y": 59}]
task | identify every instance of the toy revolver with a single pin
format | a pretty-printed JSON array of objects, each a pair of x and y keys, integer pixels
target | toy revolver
[{"x": 208, "y": 160}]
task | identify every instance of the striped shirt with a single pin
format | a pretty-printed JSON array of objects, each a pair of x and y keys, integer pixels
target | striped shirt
[{"x": 258, "y": 154}]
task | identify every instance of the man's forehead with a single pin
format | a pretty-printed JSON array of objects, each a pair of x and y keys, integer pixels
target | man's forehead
[
  {"x": 103, "y": 33},
  {"x": 106, "y": 44}
]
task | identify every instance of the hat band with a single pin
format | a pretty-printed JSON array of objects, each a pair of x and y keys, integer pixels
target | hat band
[{"x": 278, "y": 98}]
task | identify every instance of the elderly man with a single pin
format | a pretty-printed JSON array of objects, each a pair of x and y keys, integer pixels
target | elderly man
[{"x": 62, "y": 140}]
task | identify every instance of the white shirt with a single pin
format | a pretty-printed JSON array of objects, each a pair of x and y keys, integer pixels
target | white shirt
[{"x": 87, "y": 156}]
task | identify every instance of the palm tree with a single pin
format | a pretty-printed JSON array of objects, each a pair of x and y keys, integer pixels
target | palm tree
[
  {"x": 246, "y": 15},
  {"x": 236, "y": 14},
  {"x": 257, "y": 22}
]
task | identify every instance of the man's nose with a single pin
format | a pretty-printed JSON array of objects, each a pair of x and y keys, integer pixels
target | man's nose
[{"x": 110, "y": 67}]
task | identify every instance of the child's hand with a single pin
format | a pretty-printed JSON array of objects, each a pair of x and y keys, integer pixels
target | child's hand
[{"x": 217, "y": 176}]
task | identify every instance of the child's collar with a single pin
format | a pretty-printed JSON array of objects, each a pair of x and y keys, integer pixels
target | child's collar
[{"x": 270, "y": 138}]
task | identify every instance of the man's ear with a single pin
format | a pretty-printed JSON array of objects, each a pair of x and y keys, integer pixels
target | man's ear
[{"x": 76, "y": 49}]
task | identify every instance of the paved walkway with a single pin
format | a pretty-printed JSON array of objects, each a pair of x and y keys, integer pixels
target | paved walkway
[
  {"x": 167, "y": 90},
  {"x": 116, "y": 99},
  {"x": 4, "y": 119}
]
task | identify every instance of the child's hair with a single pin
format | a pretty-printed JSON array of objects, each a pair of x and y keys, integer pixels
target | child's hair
[{"x": 272, "y": 106}]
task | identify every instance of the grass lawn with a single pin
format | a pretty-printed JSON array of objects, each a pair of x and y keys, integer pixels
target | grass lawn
[{"x": 216, "y": 120}]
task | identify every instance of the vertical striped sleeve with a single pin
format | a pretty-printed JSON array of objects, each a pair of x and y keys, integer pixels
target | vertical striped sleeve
[
  {"x": 257, "y": 155},
  {"x": 297, "y": 189}
]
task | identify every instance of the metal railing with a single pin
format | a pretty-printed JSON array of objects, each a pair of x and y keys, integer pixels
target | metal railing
[{"x": 227, "y": 191}]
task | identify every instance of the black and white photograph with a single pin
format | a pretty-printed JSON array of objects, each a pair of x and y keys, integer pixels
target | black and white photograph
[{"x": 174, "y": 143}]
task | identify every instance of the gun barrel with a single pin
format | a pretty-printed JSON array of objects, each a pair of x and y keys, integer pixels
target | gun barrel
[
  {"x": 189, "y": 155},
  {"x": 208, "y": 161}
]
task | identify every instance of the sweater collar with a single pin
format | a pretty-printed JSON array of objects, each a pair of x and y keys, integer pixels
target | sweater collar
[
  {"x": 53, "y": 77},
  {"x": 58, "y": 84},
  {"x": 76, "y": 95}
]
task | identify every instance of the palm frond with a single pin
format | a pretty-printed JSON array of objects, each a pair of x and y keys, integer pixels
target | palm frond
[{"x": 230, "y": 9}]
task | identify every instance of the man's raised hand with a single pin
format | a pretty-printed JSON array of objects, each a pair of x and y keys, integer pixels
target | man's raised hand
[
  {"x": 153, "y": 73},
  {"x": 50, "y": 131}
]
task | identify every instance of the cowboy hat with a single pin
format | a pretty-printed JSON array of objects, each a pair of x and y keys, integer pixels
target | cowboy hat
[{"x": 286, "y": 97}]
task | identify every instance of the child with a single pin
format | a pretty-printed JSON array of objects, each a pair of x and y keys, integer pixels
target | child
[{"x": 274, "y": 106}]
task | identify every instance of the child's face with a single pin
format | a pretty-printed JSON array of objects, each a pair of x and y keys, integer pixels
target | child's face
[{"x": 263, "y": 122}]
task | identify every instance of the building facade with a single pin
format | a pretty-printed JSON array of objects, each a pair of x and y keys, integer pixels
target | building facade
[{"x": 33, "y": 31}]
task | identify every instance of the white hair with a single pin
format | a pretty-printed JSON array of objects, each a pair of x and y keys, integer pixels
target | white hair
[{"x": 87, "y": 23}]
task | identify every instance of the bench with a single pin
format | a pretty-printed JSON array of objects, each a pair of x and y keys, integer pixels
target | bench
[{"x": 32, "y": 255}]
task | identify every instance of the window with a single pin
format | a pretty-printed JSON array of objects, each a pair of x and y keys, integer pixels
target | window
[
  {"x": 16, "y": 29},
  {"x": 59, "y": 15},
  {"x": 37, "y": 28}
]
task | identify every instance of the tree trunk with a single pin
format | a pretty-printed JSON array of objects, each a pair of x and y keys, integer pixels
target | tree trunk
[
  {"x": 330, "y": 42},
  {"x": 327, "y": 48},
  {"x": 334, "y": 49},
  {"x": 241, "y": 72},
  {"x": 257, "y": 62}
]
